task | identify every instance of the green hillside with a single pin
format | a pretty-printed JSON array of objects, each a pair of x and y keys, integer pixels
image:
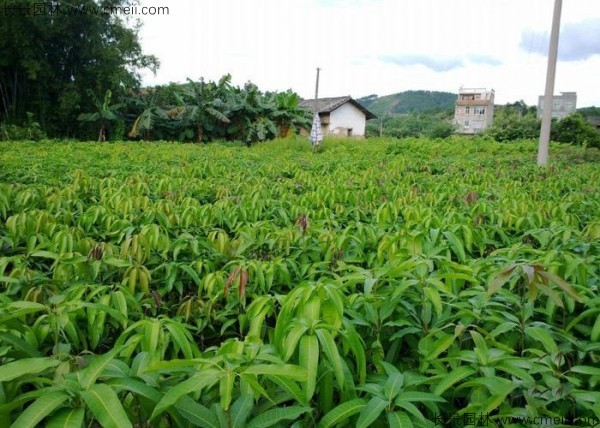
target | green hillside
[{"x": 409, "y": 101}]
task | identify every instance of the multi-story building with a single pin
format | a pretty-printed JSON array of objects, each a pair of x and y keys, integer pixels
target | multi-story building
[
  {"x": 474, "y": 110},
  {"x": 562, "y": 105}
]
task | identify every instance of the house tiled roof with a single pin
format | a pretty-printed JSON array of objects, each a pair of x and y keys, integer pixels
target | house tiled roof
[{"x": 327, "y": 105}]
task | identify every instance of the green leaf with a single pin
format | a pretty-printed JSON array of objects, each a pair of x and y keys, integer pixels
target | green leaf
[
  {"x": 292, "y": 339},
  {"x": 226, "y": 388},
  {"x": 371, "y": 412},
  {"x": 494, "y": 384},
  {"x": 440, "y": 346},
  {"x": 354, "y": 342},
  {"x": 588, "y": 370},
  {"x": 340, "y": 413},
  {"x": 196, "y": 413},
  {"x": 419, "y": 397},
  {"x": 331, "y": 351},
  {"x": 39, "y": 409},
  {"x": 106, "y": 406},
  {"x": 393, "y": 386},
  {"x": 45, "y": 255},
  {"x": 541, "y": 335},
  {"x": 309, "y": 359},
  {"x": 113, "y": 261},
  {"x": 497, "y": 399},
  {"x": 456, "y": 245},
  {"x": 481, "y": 348},
  {"x": 284, "y": 370},
  {"x": 202, "y": 379},
  {"x": 68, "y": 418},
  {"x": 595, "y": 335},
  {"x": 191, "y": 272},
  {"x": 399, "y": 420},
  {"x": 241, "y": 409},
  {"x": 451, "y": 378},
  {"x": 290, "y": 387},
  {"x": 90, "y": 374},
  {"x": 275, "y": 416},
  {"x": 136, "y": 387},
  {"x": 434, "y": 297},
  {"x": 20, "y": 308},
  {"x": 25, "y": 366}
]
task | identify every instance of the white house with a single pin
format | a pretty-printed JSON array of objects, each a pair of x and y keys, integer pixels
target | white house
[
  {"x": 474, "y": 110},
  {"x": 341, "y": 116},
  {"x": 562, "y": 105}
]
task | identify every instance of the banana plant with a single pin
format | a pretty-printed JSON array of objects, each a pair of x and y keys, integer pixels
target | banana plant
[{"x": 106, "y": 112}]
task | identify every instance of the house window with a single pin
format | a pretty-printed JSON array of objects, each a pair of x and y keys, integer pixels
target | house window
[
  {"x": 466, "y": 123},
  {"x": 349, "y": 132},
  {"x": 479, "y": 110},
  {"x": 467, "y": 110}
]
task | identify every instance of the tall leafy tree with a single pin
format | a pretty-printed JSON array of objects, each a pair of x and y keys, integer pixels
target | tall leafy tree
[{"x": 49, "y": 60}]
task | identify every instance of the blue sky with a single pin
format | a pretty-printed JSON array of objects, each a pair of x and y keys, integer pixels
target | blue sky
[{"x": 378, "y": 46}]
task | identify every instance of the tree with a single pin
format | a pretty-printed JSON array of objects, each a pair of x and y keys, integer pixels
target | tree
[
  {"x": 514, "y": 122},
  {"x": 149, "y": 112},
  {"x": 430, "y": 124},
  {"x": 287, "y": 113},
  {"x": 105, "y": 112},
  {"x": 47, "y": 62},
  {"x": 202, "y": 105},
  {"x": 575, "y": 129}
]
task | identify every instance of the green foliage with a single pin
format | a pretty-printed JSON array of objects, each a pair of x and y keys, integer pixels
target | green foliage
[
  {"x": 514, "y": 122},
  {"x": 575, "y": 129},
  {"x": 206, "y": 111},
  {"x": 47, "y": 65},
  {"x": 589, "y": 111},
  {"x": 432, "y": 125},
  {"x": 105, "y": 112},
  {"x": 30, "y": 130},
  {"x": 410, "y": 102},
  {"x": 377, "y": 283}
]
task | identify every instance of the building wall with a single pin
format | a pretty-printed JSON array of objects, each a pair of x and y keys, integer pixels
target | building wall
[
  {"x": 474, "y": 110},
  {"x": 347, "y": 120},
  {"x": 562, "y": 105}
]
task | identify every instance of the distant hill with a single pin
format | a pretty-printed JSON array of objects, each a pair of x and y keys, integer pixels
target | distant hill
[{"x": 409, "y": 101}]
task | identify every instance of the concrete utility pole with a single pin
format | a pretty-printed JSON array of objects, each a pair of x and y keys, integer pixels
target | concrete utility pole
[
  {"x": 542, "y": 158},
  {"x": 317, "y": 92}
]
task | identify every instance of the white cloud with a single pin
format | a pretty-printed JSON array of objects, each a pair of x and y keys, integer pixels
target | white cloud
[
  {"x": 278, "y": 44},
  {"x": 577, "y": 41}
]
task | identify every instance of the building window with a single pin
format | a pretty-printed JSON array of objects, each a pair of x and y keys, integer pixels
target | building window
[
  {"x": 479, "y": 110},
  {"x": 467, "y": 110},
  {"x": 466, "y": 123},
  {"x": 349, "y": 132}
]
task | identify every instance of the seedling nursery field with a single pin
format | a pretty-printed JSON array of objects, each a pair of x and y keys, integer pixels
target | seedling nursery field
[{"x": 375, "y": 283}]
